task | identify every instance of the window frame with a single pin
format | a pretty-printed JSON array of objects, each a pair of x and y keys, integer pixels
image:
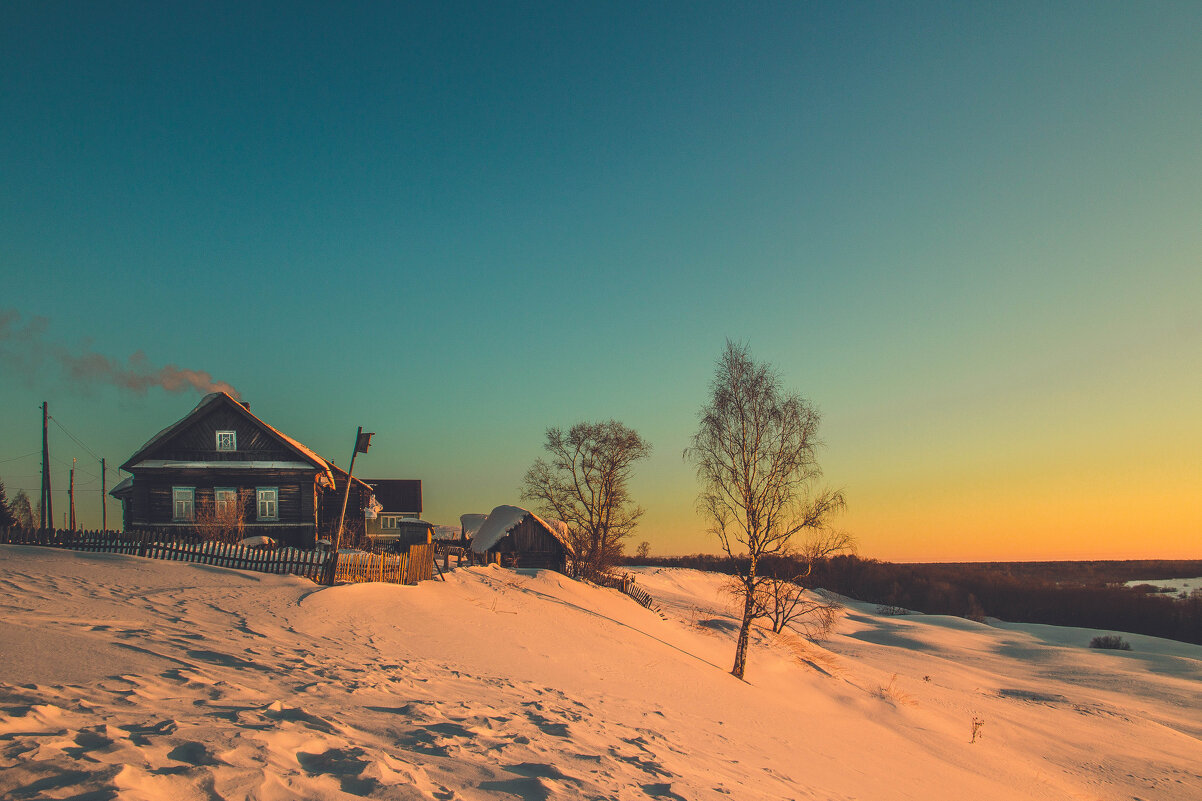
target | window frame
[
  {"x": 275, "y": 501},
  {"x": 233, "y": 435},
  {"x": 176, "y": 499},
  {"x": 218, "y": 502}
]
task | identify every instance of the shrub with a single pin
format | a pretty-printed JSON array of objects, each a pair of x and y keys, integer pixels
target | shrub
[{"x": 1111, "y": 642}]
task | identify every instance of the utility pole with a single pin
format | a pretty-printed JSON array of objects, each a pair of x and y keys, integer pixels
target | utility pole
[
  {"x": 71, "y": 494},
  {"x": 104, "y": 510},
  {"x": 47, "y": 517}
]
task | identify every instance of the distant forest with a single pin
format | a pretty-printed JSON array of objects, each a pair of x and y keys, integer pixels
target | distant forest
[{"x": 1082, "y": 594}]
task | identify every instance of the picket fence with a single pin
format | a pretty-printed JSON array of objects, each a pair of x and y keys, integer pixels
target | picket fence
[
  {"x": 393, "y": 568},
  {"x": 626, "y": 584},
  {"x": 409, "y": 568}
]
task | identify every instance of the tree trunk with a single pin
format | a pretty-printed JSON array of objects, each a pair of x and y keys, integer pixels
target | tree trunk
[{"x": 744, "y": 634}]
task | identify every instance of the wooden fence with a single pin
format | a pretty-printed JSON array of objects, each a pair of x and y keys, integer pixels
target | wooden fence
[
  {"x": 626, "y": 584},
  {"x": 409, "y": 568},
  {"x": 392, "y": 568}
]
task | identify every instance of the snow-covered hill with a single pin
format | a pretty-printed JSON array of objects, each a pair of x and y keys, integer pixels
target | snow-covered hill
[{"x": 131, "y": 678}]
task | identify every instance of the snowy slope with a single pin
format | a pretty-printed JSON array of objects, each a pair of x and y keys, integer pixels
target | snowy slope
[{"x": 131, "y": 678}]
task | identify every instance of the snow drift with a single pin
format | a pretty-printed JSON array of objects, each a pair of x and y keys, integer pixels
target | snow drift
[{"x": 149, "y": 680}]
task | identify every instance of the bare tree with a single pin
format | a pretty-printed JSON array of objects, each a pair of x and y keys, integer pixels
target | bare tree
[
  {"x": 783, "y": 598},
  {"x": 644, "y": 550},
  {"x": 224, "y": 521},
  {"x": 586, "y": 485},
  {"x": 755, "y": 454}
]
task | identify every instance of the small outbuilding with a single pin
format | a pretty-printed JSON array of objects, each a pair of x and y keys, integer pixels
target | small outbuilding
[{"x": 516, "y": 537}]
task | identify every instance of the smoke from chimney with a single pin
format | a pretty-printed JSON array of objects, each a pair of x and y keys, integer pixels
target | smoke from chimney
[{"x": 25, "y": 351}]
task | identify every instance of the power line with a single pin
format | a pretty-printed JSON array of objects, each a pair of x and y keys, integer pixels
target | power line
[
  {"x": 73, "y": 437},
  {"x": 15, "y": 458}
]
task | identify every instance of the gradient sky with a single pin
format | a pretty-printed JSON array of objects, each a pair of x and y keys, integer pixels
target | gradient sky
[{"x": 970, "y": 233}]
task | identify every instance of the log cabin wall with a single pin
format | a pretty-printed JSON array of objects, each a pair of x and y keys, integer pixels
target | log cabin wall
[
  {"x": 296, "y": 516},
  {"x": 529, "y": 544},
  {"x": 198, "y": 441}
]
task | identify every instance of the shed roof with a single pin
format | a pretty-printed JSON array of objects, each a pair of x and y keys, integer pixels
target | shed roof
[{"x": 503, "y": 520}]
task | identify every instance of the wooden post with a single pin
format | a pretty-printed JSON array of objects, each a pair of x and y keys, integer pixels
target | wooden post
[
  {"x": 362, "y": 443},
  {"x": 71, "y": 494},
  {"x": 104, "y": 510}
]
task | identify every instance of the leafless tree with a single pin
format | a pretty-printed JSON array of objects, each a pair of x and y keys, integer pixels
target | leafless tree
[
  {"x": 586, "y": 485},
  {"x": 755, "y": 452},
  {"x": 223, "y": 522},
  {"x": 783, "y": 598},
  {"x": 644, "y": 550}
]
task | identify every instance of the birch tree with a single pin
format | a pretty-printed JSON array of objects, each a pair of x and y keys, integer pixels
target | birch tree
[{"x": 755, "y": 452}]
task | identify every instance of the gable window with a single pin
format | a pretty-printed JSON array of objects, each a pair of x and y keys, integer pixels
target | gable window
[
  {"x": 225, "y": 501},
  {"x": 227, "y": 440},
  {"x": 183, "y": 503},
  {"x": 269, "y": 503}
]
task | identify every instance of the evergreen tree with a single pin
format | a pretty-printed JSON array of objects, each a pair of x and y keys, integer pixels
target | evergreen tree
[
  {"x": 6, "y": 513},
  {"x": 22, "y": 510}
]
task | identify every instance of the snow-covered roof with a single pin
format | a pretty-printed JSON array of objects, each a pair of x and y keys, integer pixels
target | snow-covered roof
[
  {"x": 471, "y": 523},
  {"x": 216, "y": 397},
  {"x": 503, "y": 520},
  {"x": 124, "y": 485}
]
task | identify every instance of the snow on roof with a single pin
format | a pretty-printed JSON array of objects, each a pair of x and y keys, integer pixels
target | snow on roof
[
  {"x": 214, "y": 397},
  {"x": 471, "y": 523},
  {"x": 502, "y": 521},
  {"x": 123, "y": 485}
]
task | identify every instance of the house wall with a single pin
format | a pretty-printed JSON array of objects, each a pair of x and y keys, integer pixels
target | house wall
[
  {"x": 375, "y": 528},
  {"x": 152, "y": 503}
]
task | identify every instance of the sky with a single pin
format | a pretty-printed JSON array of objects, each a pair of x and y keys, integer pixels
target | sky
[{"x": 967, "y": 233}]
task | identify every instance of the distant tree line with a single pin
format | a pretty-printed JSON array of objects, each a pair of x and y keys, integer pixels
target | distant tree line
[{"x": 1080, "y": 594}]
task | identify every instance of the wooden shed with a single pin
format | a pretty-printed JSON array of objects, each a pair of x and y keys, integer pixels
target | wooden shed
[{"x": 516, "y": 537}]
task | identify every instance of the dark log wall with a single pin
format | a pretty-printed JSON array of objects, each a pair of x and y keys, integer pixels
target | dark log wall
[
  {"x": 529, "y": 544},
  {"x": 198, "y": 441},
  {"x": 330, "y": 508},
  {"x": 152, "y": 499}
]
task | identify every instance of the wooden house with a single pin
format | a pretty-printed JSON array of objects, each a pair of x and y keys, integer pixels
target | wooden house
[
  {"x": 398, "y": 500},
  {"x": 221, "y": 465},
  {"x": 516, "y": 537}
]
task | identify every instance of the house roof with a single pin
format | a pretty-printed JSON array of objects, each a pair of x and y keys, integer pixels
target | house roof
[
  {"x": 397, "y": 494},
  {"x": 471, "y": 523},
  {"x": 124, "y": 487},
  {"x": 505, "y": 518},
  {"x": 207, "y": 403}
]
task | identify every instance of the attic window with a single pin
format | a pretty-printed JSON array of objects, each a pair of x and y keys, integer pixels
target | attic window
[{"x": 227, "y": 440}]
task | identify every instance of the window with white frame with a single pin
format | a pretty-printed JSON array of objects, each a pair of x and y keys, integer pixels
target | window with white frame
[
  {"x": 269, "y": 503},
  {"x": 390, "y": 521},
  {"x": 225, "y": 501},
  {"x": 183, "y": 503},
  {"x": 227, "y": 440}
]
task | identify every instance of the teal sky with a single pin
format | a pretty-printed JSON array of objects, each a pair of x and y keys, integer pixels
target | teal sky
[{"x": 968, "y": 232}]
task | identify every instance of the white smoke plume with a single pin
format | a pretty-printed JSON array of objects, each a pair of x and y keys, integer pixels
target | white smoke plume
[{"x": 25, "y": 351}]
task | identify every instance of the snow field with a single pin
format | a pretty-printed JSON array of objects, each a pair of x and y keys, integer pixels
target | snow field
[{"x": 139, "y": 679}]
